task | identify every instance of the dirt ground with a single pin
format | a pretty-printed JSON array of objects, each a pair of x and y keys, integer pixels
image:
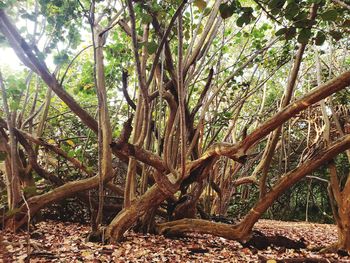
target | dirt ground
[{"x": 66, "y": 242}]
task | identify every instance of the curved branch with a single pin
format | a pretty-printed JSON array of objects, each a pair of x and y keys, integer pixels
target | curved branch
[
  {"x": 70, "y": 64},
  {"x": 69, "y": 189},
  {"x": 34, "y": 162},
  {"x": 125, "y": 90},
  {"x": 203, "y": 93},
  {"x": 53, "y": 148},
  {"x": 242, "y": 230},
  {"x": 238, "y": 150}
]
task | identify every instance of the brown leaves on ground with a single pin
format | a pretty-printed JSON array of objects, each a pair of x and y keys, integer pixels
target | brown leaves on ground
[{"x": 65, "y": 242}]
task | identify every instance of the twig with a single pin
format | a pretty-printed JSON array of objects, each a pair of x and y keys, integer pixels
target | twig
[
  {"x": 70, "y": 64},
  {"x": 267, "y": 13},
  {"x": 317, "y": 178}
]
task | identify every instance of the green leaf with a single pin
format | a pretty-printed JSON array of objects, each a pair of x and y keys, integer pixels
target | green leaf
[
  {"x": 28, "y": 16},
  {"x": 226, "y": 10},
  {"x": 13, "y": 105},
  {"x": 201, "y": 4},
  {"x": 281, "y": 31},
  {"x": 156, "y": 7},
  {"x": 291, "y": 10},
  {"x": 151, "y": 47},
  {"x": 60, "y": 58},
  {"x": 206, "y": 12},
  {"x": 187, "y": 34},
  {"x": 71, "y": 154},
  {"x": 330, "y": 15},
  {"x": 275, "y": 11},
  {"x": 243, "y": 19},
  {"x": 300, "y": 16},
  {"x": 146, "y": 18},
  {"x": 320, "y": 38},
  {"x": 276, "y": 4},
  {"x": 291, "y": 32},
  {"x": 304, "y": 23},
  {"x": 304, "y": 35},
  {"x": 247, "y": 10}
]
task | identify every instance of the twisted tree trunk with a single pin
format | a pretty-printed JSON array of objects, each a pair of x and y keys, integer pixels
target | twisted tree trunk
[{"x": 242, "y": 230}]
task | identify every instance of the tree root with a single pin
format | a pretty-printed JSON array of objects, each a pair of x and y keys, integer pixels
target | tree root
[
  {"x": 261, "y": 241},
  {"x": 187, "y": 225}
]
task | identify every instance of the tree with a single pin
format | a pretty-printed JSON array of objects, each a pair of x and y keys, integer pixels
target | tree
[{"x": 211, "y": 106}]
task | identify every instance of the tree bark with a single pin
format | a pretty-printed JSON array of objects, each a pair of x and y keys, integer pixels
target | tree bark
[
  {"x": 238, "y": 150},
  {"x": 128, "y": 216},
  {"x": 69, "y": 189},
  {"x": 12, "y": 171},
  {"x": 242, "y": 230}
]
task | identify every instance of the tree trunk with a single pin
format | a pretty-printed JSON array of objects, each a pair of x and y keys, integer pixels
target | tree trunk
[
  {"x": 104, "y": 127},
  {"x": 342, "y": 213},
  {"x": 12, "y": 171},
  {"x": 242, "y": 230},
  {"x": 344, "y": 227},
  {"x": 128, "y": 216},
  {"x": 188, "y": 207},
  {"x": 40, "y": 201}
]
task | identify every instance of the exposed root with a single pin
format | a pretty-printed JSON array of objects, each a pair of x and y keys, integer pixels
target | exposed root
[{"x": 261, "y": 241}]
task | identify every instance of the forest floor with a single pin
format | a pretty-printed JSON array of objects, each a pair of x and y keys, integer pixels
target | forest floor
[{"x": 66, "y": 242}]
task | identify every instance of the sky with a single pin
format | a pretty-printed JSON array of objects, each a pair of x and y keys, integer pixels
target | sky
[{"x": 9, "y": 59}]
